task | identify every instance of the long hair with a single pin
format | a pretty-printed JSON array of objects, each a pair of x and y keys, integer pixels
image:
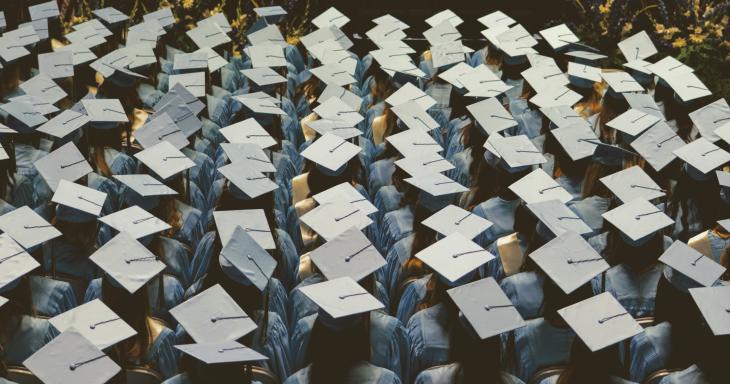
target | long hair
[
  {"x": 82, "y": 235},
  {"x": 20, "y": 303},
  {"x": 319, "y": 182},
  {"x": 134, "y": 309},
  {"x": 700, "y": 198},
  {"x": 333, "y": 353},
  {"x": 590, "y": 367},
  {"x": 7, "y": 172},
  {"x": 611, "y": 107},
  {"x": 98, "y": 141}
]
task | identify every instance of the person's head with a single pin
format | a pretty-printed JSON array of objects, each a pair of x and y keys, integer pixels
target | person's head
[
  {"x": 319, "y": 181},
  {"x": 586, "y": 366},
  {"x": 637, "y": 256},
  {"x": 591, "y": 181},
  {"x": 555, "y": 299},
  {"x": 76, "y": 228},
  {"x": 133, "y": 308},
  {"x": 334, "y": 350},
  {"x": 612, "y": 106},
  {"x": 7, "y": 170},
  {"x": 458, "y": 103},
  {"x": 98, "y": 140},
  {"x": 700, "y": 197}
]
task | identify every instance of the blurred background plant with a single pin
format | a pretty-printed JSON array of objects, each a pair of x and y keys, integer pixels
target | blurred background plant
[{"x": 696, "y": 32}]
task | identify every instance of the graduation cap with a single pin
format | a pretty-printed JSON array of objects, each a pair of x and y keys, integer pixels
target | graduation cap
[
  {"x": 24, "y": 115},
  {"x": 71, "y": 358},
  {"x": 702, "y": 157},
  {"x": 212, "y": 316},
  {"x": 331, "y": 219},
  {"x": 164, "y": 159},
  {"x": 81, "y": 54},
  {"x": 637, "y": 47},
  {"x": 335, "y": 127},
  {"x": 386, "y": 32},
  {"x": 496, "y": 18},
  {"x": 253, "y": 221},
  {"x": 600, "y": 321},
  {"x": 221, "y": 352},
  {"x": 454, "y": 256},
  {"x": 559, "y": 36},
  {"x": 446, "y": 54},
  {"x": 135, "y": 221},
  {"x": 582, "y": 75},
  {"x": 208, "y": 35},
  {"x": 569, "y": 261},
  {"x": 193, "y": 82},
  {"x": 633, "y": 122},
  {"x": 690, "y": 268},
  {"x": 215, "y": 61},
  {"x": 331, "y": 16},
  {"x": 218, "y": 19},
  {"x": 269, "y": 34},
  {"x": 556, "y": 96},
  {"x": 414, "y": 141},
  {"x": 341, "y": 298},
  {"x": 38, "y": 104},
  {"x": 245, "y": 261},
  {"x": 43, "y": 87},
  {"x": 161, "y": 128},
  {"x": 538, "y": 186},
  {"x": 545, "y": 76},
  {"x": 331, "y": 153},
  {"x": 411, "y": 114},
  {"x": 712, "y": 118},
  {"x": 390, "y": 19},
  {"x": 445, "y": 15},
  {"x": 333, "y": 74},
  {"x": 423, "y": 164},
  {"x": 65, "y": 163},
  {"x": 436, "y": 185},
  {"x": 486, "y": 307},
  {"x": 562, "y": 115},
  {"x": 578, "y": 140},
  {"x": 638, "y": 220},
  {"x": 64, "y": 123},
  {"x": 27, "y": 227},
  {"x": 105, "y": 113},
  {"x": 247, "y": 183},
  {"x": 261, "y": 106},
  {"x": 11, "y": 50},
  {"x": 263, "y": 76},
  {"x": 517, "y": 152},
  {"x": 491, "y": 115},
  {"x": 454, "y": 74},
  {"x": 336, "y": 109},
  {"x": 443, "y": 32},
  {"x": 111, "y": 16},
  {"x": 181, "y": 114},
  {"x": 272, "y": 14},
  {"x": 453, "y": 219},
  {"x": 345, "y": 192},
  {"x": 143, "y": 190},
  {"x": 15, "y": 262},
  {"x": 266, "y": 56},
  {"x": 45, "y": 10},
  {"x": 96, "y": 322},
  {"x": 668, "y": 67},
  {"x": 88, "y": 37},
  {"x": 163, "y": 16},
  {"x": 349, "y": 98},
  {"x": 190, "y": 61},
  {"x": 56, "y": 65},
  {"x": 250, "y": 155},
  {"x": 248, "y": 131},
  {"x": 350, "y": 254},
  {"x": 409, "y": 92},
  {"x": 657, "y": 145},
  {"x": 713, "y": 303},
  {"x": 631, "y": 183},
  {"x": 645, "y": 103},
  {"x": 129, "y": 263},
  {"x": 555, "y": 218}
]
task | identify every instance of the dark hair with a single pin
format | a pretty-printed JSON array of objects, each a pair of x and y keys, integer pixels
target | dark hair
[
  {"x": 555, "y": 298},
  {"x": 20, "y": 303},
  {"x": 333, "y": 353},
  {"x": 701, "y": 198},
  {"x": 319, "y": 182},
  {"x": 98, "y": 140},
  {"x": 590, "y": 367},
  {"x": 134, "y": 309},
  {"x": 637, "y": 258}
]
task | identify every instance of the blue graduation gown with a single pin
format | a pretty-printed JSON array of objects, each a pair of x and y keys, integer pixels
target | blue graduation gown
[
  {"x": 650, "y": 351},
  {"x": 500, "y": 212},
  {"x": 51, "y": 297},
  {"x": 635, "y": 290},
  {"x": 30, "y": 336},
  {"x": 693, "y": 375},
  {"x": 363, "y": 373},
  {"x": 538, "y": 345},
  {"x": 524, "y": 290},
  {"x": 447, "y": 374},
  {"x": 429, "y": 333}
]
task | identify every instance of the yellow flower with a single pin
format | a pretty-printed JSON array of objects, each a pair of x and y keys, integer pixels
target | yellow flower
[
  {"x": 659, "y": 28},
  {"x": 603, "y": 8},
  {"x": 687, "y": 13},
  {"x": 698, "y": 29},
  {"x": 679, "y": 42},
  {"x": 671, "y": 30},
  {"x": 187, "y": 4},
  {"x": 627, "y": 28},
  {"x": 696, "y": 38}
]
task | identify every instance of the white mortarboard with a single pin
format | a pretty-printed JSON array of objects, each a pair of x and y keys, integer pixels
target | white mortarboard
[
  {"x": 23, "y": 35},
  {"x": 486, "y": 307},
  {"x": 64, "y": 123},
  {"x": 714, "y": 303},
  {"x": 556, "y": 96},
  {"x": 81, "y": 53},
  {"x": 87, "y": 37},
  {"x": 341, "y": 297},
  {"x": 145, "y": 185},
  {"x": 260, "y": 105},
  {"x": 724, "y": 133},
  {"x": 248, "y": 131},
  {"x": 538, "y": 186},
  {"x": 688, "y": 86},
  {"x": 516, "y": 151},
  {"x": 345, "y": 192},
  {"x": 586, "y": 56},
  {"x": 164, "y": 159},
  {"x": 544, "y": 77},
  {"x": 142, "y": 35},
  {"x": 443, "y": 32},
  {"x": 600, "y": 321},
  {"x": 411, "y": 114},
  {"x": 27, "y": 227},
  {"x": 250, "y": 154},
  {"x": 557, "y": 218},
  {"x": 71, "y": 358},
  {"x": 633, "y": 122},
  {"x": 586, "y": 73},
  {"x": 385, "y": 32},
  {"x": 436, "y": 184},
  {"x": 453, "y": 74},
  {"x": 349, "y": 254},
  {"x": 453, "y": 219},
  {"x": 56, "y": 65},
  {"x": 414, "y": 141},
  {"x": 163, "y": 16},
  {"x": 343, "y": 94},
  {"x": 390, "y": 19},
  {"x": 657, "y": 145},
  {"x": 190, "y": 61},
  {"x": 328, "y": 33},
  {"x": 578, "y": 140},
  {"x": 711, "y": 118},
  {"x": 38, "y": 104},
  {"x": 491, "y": 115},
  {"x": 409, "y": 92},
  {"x": 335, "y": 127},
  {"x": 482, "y": 82},
  {"x": 221, "y": 352},
  {"x": 94, "y": 25},
  {"x": 559, "y": 36},
  {"x": 44, "y": 10},
  {"x": 631, "y": 183},
  {"x": 331, "y": 16},
  {"x": 669, "y": 66},
  {"x": 644, "y": 102},
  {"x": 105, "y": 110},
  {"x": 213, "y": 316},
  {"x": 424, "y": 163},
  {"x": 333, "y": 74},
  {"x": 638, "y": 219},
  {"x": 25, "y": 113},
  {"x": 637, "y": 47},
  {"x": 251, "y": 182},
  {"x": 563, "y": 115},
  {"x": 640, "y": 67},
  {"x": 331, "y": 152},
  {"x": 15, "y": 262},
  {"x": 621, "y": 82},
  {"x": 272, "y": 14},
  {"x": 112, "y": 62},
  {"x": 181, "y": 114},
  {"x": 267, "y": 35},
  {"x": 40, "y": 27},
  {"x": 496, "y": 18},
  {"x": 703, "y": 155},
  {"x": 193, "y": 82},
  {"x": 65, "y": 163},
  {"x": 446, "y": 54},
  {"x": 96, "y": 322},
  {"x": 219, "y": 19},
  {"x": 161, "y": 128},
  {"x": 263, "y": 76},
  {"x": 336, "y": 109},
  {"x": 215, "y": 61},
  {"x": 111, "y": 15},
  {"x": 135, "y": 221},
  {"x": 692, "y": 264},
  {"x": 208, "y": 35},
  {"x": 44, "y": 87},
  {"x": 266, "y": 55},
  {"x": 127, "y": 261},
  {"x": 445, "y": 15},
  {"x": 11, "y": 50},
  {"x": 252, "y": 221},
  {"x": 248, "y": 257},
  {"x": 331, "y": 219},
  {"x": 454, "y": 256},
  {"x": 569, "y": 261}
]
